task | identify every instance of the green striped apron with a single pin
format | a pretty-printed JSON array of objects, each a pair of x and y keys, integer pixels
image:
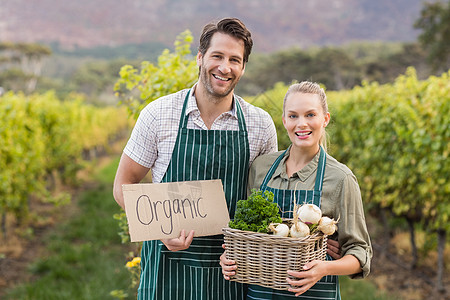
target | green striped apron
[
  {"x": 195, "y": 273},
  {"x": 328, "y": 286}
]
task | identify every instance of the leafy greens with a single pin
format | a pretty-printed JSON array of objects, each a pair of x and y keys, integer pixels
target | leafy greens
[{"x": 256, "y": 213}]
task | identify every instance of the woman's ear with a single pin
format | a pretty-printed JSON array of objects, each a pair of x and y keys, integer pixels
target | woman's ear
[{"x": 327, "y": 119}]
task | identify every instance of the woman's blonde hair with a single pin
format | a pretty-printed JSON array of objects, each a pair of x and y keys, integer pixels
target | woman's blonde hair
[{"x": 308, "y": 87}]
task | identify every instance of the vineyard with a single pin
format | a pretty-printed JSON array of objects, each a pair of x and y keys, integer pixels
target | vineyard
[
  {"x": 396, "y": 139},
  {"x": 44, "y": 140}
]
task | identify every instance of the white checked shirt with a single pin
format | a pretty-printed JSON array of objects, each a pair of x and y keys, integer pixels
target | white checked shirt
[{"x": 153, "y": 137}]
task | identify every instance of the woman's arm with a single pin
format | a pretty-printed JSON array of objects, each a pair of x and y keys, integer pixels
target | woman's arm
[{"x": 316, "y": 269}]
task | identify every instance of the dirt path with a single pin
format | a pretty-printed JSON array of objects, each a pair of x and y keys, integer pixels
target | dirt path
[
  {"x": 392, "y": 271},
  {"x": 23, "y": 246}
]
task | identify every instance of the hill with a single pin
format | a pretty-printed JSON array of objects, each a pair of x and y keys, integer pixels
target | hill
[{"x": 275, "y": 24}]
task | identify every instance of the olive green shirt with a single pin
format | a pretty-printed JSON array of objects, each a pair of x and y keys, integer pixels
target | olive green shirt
[{"x": 341, "y": 199}]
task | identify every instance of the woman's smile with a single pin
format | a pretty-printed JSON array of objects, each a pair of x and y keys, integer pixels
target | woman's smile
[
  {"x": 303, "y": 134},
  {"x": 304, "y": 120}
]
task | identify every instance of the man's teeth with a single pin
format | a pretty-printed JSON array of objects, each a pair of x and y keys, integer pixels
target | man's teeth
[{"x": 221, "y": 78}]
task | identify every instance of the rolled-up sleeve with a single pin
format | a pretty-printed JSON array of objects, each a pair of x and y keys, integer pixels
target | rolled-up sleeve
[{"x": 353, "y": 235}]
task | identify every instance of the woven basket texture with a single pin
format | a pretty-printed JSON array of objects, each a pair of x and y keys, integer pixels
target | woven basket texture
[{"x": 264, "y": 259}]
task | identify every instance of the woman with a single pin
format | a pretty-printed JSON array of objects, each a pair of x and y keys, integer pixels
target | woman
[{"x": 305, "y": 171}]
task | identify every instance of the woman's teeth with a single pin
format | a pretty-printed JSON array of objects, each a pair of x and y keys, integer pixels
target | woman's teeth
[{"x": 303, "y": 133}]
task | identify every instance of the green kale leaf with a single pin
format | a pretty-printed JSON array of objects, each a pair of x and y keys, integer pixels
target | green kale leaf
[{"x": 256, "y": 212}]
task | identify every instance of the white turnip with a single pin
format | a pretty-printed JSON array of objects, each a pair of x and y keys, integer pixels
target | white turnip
[
  {"x": 279, "y": 229},
  {"x": 299, "y": 229},
  {"x": 309, "y": 214},
  {"x": 327, "y": 225}
]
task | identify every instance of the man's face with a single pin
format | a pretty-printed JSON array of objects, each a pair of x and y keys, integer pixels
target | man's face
[{"x": 222, "y": 65}]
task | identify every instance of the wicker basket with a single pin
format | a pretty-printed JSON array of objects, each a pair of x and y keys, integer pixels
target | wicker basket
[{"x": 264, "y": 259}]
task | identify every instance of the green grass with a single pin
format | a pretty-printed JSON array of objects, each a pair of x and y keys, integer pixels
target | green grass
[
  {"x": 85, "y": 257},
  {"x": 361, "y": 289}
]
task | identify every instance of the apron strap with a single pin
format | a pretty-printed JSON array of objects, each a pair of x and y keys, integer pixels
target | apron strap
[
  {"x": 320, "y": 171},
  {"x": 319, "y": 176},
  {"x": 184, "y": 118},
  {"x": 271, "y": 171}
]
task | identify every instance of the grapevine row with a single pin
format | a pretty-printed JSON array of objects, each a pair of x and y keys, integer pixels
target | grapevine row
[
  {"x": 396, "y": 139},
  {"x": 41, "y": 136}
]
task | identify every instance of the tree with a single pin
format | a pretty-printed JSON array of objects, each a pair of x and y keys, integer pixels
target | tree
[
  {"x": 174, "y": 71},
  {"x": 335, "y": 69},
  {"x": 26, "y": 62},
  {"x": 264, "y": 71},
  {"x": 435, "y": 23},
  {"x": 387, "y": 68}
]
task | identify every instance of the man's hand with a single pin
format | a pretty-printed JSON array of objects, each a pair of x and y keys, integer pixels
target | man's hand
[
  {"x": 333, "y": 249},
  {"x": 228, "y": 266},
  {"x": 181, "y": 243}
]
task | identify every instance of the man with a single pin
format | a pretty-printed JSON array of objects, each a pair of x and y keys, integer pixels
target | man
[{"x": 205, "y": 126}]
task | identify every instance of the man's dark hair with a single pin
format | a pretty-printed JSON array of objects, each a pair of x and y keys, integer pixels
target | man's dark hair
[{"x": 230, "y": 26}]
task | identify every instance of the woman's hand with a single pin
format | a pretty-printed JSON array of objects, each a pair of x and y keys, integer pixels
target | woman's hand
[
  {"x": 333, "y": 249},
  {"x": 228, "y": 266},
  {"x": 181, "y": 243},
  {"x": 313, "y": 272}
]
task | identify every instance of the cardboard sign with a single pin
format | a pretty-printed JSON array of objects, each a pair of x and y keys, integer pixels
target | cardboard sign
[{"x": 161, "y": 210}]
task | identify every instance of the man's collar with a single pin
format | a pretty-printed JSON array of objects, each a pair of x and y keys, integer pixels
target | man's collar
[{"x": 193, "y": 107}]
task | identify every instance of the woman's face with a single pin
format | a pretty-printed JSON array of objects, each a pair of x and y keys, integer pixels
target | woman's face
[{"x": 305, "y": 120}]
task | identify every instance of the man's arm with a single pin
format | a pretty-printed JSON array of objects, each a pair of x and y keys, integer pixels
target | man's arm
[{"x": 128, "y": 172}]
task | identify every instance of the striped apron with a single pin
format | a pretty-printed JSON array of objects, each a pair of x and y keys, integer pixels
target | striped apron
[
  {"x": 195, "y": 273},
  {"x": 328, "y": 286}
]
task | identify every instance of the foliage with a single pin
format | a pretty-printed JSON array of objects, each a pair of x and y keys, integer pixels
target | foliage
[
  {"x": 21, "y": 61},
  {"x": 16, "y": 51},
  {"x": 14, "y": 78},
  {"x": 22, "y": 154},
  {"x": 363, "y": 289},
  {"x": 435, "y": 22},
  {"x": 394, "y": 137},
  {"x": 337, "y": 68},
  {"x": 41, "y": 136},
  {"x": 149, "y": 50},
  {"x": 334, "y": 68},
  {"x": 175, "y": 71},
  {"x": 256, "y": 212},
  {"x": 123, "y": 227},
  {"x": 398, "y": 144},
  {"x": 272, "y": 102},
  {"x": 134, "y": 265},
  {"x": 263, "y": 71},
  {"x": 83, "y": 256}
]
